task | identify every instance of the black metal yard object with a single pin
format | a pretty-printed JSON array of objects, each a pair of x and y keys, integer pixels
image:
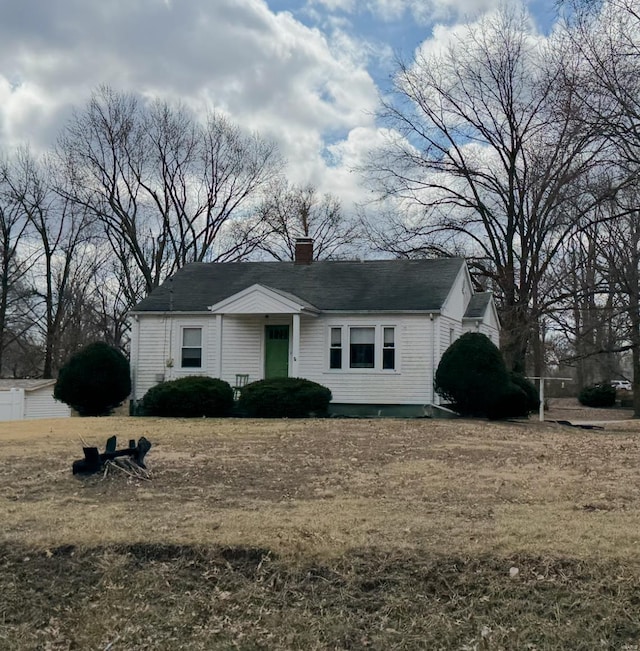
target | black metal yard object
[{"x": 94, "y": 460}]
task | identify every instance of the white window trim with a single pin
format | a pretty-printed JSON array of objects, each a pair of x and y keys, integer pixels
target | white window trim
[
  {"x": 197, "y": 370},
  {"x": 378, "y": 348}
]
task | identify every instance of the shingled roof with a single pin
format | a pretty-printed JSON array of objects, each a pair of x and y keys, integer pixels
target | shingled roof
[
  {"x": 478, "y": 305},
  {"x": 373, "y": 285}
]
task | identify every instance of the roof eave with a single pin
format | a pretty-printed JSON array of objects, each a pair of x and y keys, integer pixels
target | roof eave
[
  {"x": 398, "y": 311},
  {"x": 303, "y": 310}
]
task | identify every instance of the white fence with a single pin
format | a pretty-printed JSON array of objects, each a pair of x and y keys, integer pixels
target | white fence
[
  {"x": 18, "y": 403},
  {"x": 12, "y": 404}
]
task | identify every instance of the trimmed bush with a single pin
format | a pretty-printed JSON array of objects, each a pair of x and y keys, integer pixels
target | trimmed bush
[
  {"x": 598, "y": 395},
  {"x": 94, "y": 381},
  {"x": 530, "y": 390},
  {"x": 189, "y": 397},
  {"x": 472, "y": 376},
  {"x": 284, "y": 398},
  {"x": 512, "y": 403}
]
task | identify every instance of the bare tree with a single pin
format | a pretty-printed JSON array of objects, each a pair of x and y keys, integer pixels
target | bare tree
[
  {"x": 293, "y": 211},
  {"x": 606, "y": 36},
  {"x": 489, "y": 156},
  {"x": 16, "y": 261},
  {"x": 61, "y": 232},
  {"x": 620, "y": 250},
  {"x": 587, "y": 317},
  {"x": 166, "y": 188}
]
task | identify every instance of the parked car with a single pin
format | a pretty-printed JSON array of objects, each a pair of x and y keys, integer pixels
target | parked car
[{"x": 621, "y": 385}]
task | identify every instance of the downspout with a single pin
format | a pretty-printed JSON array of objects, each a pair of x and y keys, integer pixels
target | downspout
[
  {"x": 134, "y": 365},
  {"x": 219, "y": 346},
  {"x": 172, "y": 361},
  {"x": 433, "y": 358},
  {"x": 295, "y": 346}
]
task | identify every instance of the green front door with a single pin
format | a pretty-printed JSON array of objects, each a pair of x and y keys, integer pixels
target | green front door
[{"x": 276, "y": 351}]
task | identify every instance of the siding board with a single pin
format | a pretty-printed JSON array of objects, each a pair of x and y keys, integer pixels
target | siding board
[
  {"x": 409, "y": 384},
  {"x": 40, "y": 403}
]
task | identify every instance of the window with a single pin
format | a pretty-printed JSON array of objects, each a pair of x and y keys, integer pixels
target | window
[
  {"x": 191, "y": 347},
  {"x": 388, "y": 348},
  {"x": 335, "y": 350},
  {"x": 362, "y": 347}
]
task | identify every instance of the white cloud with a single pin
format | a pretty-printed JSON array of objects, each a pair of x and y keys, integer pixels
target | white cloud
[
  {"x": 306, "y": 87},
  {"x": 349, "y": 157},
  {"x": 267, "y": 71},
  {"x": 423, "y": 12},
  {"x": 347, "y": 6}
]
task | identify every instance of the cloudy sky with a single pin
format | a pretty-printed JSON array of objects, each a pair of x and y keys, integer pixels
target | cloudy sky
[{"x": 305, "y": 72}]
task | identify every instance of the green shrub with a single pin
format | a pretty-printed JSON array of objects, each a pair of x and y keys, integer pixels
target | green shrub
[
  {"x": 513, "y": 402},
  {"x": 598, "y": 395},
  {"x": 189, "y": 397},
  {"x": 284, "y": 398},
  {"x": 94, "y": 381},
  {"x": 530, "y": 390},
  {"x": 472, "y": 375}
]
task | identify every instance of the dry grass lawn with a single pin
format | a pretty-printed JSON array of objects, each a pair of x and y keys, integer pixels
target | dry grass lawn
[{"x": 322, "y": 534}]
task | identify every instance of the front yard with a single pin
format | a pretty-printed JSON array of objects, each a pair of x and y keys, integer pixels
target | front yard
[{"x": 327, "y": 534}]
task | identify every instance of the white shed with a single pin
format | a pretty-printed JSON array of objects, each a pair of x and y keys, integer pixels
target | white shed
[{"x": 26, "y": 399}]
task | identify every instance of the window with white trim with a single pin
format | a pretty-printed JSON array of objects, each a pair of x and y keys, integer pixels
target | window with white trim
[
  {"x": 360, "y": 347},
  {"x": 191, "y": 350},
  {"x": 335, "y": 348},
  {"x": 388, "y": 348}
]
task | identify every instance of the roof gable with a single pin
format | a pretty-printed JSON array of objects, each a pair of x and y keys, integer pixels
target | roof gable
[
  {"x": 259, "y": 299},
  {"x": 461, "y": 293},
  {"x": 27, "y": 384},
  {"x": 478, "y": 305},
  {"x": 483, "y": 307},
  {"x": 369, "y": 286}
]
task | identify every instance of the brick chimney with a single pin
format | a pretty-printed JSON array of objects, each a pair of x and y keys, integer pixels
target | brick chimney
[{"x": 304, "y": 250}]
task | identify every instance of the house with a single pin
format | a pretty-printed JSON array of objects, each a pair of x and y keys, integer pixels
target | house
[
  {"x": 26, "y": 399},
  {"x": 372, "y": 331}
]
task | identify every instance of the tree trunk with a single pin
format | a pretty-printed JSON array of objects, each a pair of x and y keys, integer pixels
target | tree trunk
[{"x": 516, "y": 334}]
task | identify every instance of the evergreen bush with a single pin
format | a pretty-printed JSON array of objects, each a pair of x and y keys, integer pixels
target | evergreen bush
[
  {"x": 513, "y": 402},
  {"x": 284, "y": 398},
  {"x": 472, "y": 375},
  {"x": 530, "y": 390},
  {"x": 94, "y": 381},
  {"x": 598, "y": 395},
  {"x": 189, "y": 397}
]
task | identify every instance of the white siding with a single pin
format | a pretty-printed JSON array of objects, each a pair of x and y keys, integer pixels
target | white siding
[
  {"x": 18, "y": 403},
  {"x": 458, "y": 298},
  {"x": 150, "y": 340},
  {"x": 256, "y": 300},
  {"x": 40, "y": 403},
  {"x": 243, "y": 345},
  {"x": 411, "y": 382},
  {"x": 492, "y": 333},
  {"x": 485, "y": 329},
  {"x": 488, "y": 324},
  {"x": 157, "y": 342},
  {"x": 450, "y": 330},
  {"x": 12, "y": 404},
  {"x": 243, "y": 352}
]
